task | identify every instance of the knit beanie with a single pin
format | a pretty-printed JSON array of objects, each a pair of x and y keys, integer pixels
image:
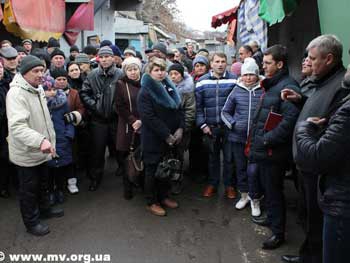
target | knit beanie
[
  {"x": 161, "y": 47},
  {"x": 250, "y": 67},
  {"x": 82, "y": 58},
  {"x": 105, "y": 43},
  {"x": 74, "y": 48},
  {"x": 200, "y": 59},
  {"x": 53, "y": 42},
  {"x": 29, "y": 62},
  {"x": 27, "y": 41},
  {"x": 59, "y": 72},
  {"x": 116, "y": 50},
  {"x": 57, "y": 52},
  {"x": 131, "y": 61},
  {"x": 178, "y": 68},
  {"x": 20, "y": 49},
  {"x": 105, "y": 51},
  {"x": 130, "y": 51},
  {"x": 236, "y": 68},
  {"x": 90, "y": 50},
  {"x": 48, "y": 82}
]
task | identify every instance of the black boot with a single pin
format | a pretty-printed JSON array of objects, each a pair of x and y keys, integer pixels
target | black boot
[
  {"x": 51, "y": 213},
  {"x": 93, "y": 185},
  {"x": 127, "y": 188},
  {"x": 39, "y": 230}
]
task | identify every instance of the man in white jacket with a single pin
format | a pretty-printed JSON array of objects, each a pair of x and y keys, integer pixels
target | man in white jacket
[{"x": 31, "y": 143}]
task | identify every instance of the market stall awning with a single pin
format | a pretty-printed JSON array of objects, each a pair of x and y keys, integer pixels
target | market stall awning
[
  {"x": 82, "y": 19},
  {"x": 1, "y": 14},
  {"x": 35, "y": 19},
  {"x": 224, "y": 18}
]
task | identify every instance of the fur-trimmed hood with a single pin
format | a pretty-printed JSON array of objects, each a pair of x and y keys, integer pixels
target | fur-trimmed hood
[
  {"x": 164, "y": 93},
  {"x": 186, "y": 85}
]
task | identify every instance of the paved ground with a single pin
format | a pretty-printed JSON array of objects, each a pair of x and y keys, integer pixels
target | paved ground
[{"x": 201, "y": 230}]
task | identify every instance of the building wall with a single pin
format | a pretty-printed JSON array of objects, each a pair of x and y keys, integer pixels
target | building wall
[
  {"x": 295, "y": 32},
  {"x": 334, "y": 19}
]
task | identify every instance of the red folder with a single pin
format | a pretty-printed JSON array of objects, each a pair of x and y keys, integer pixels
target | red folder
[{"x": 273, "y": 119}]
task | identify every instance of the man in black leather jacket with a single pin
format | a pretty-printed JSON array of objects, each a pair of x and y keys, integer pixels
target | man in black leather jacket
[
  {"x": 326, "y": 152},
  {"x": 325, "y": 54},
  {"x": 98, "y": 96}
]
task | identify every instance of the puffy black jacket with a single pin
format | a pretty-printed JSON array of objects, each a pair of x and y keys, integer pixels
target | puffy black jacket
[
  {"x": 274, "y": 145},
  {"x": 98, "y": 93},
  {"x": 329, "y": 156},
  {"x": 4, "y": 88}
]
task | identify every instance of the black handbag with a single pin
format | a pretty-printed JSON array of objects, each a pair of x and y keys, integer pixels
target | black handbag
[
  {"x": 134, "y": 163},
  {"x": 169, "y": 169}
]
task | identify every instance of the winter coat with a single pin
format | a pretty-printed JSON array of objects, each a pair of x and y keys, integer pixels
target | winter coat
[
  {"x": 4, "y": 88},
  {"x": 328, "y": 155},
  {"x": 75, "y": 105},
  {"x": 76, "y": 84},
  {"x": 98, "y": 93},
  {"x": 188, "y": 102},
  {"x": 58, "y": 106},
  {"x": 327, "y": 92},
  {"x": 159, "y": 105},
  {"x": 127, "y": 111},
  {"x": 29, "y": 123},
  {"x": 274, "y": 145},
  {"x": 238, "y": 110},
  {"x": 211, "y": 95}
]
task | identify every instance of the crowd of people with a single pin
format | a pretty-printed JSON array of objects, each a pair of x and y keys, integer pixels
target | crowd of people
[{"x": 60, "y": 113}]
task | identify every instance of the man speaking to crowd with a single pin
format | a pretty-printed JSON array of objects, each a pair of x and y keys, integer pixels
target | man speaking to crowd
[{"x": 31, "y": 143}]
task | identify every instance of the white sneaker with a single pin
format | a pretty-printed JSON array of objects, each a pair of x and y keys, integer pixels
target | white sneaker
[
  {"x": 255, "y": 206},
  {"x": 72, "y": 186},
  {"x": 242, "y": 202}
]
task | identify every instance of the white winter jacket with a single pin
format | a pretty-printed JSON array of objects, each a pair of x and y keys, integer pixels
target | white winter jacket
[{"x": 29, "y": 123}]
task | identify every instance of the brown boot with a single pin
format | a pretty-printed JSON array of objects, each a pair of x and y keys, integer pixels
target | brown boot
[
  {"x": 156, "y": 210},
  {"x": 209, "y": 191},
  {"x": 169, "y": 203},
  {"x": 230, "y": 192}
]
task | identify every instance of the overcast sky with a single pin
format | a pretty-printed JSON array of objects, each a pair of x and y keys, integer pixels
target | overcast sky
[{"x": 197, "y": 14}]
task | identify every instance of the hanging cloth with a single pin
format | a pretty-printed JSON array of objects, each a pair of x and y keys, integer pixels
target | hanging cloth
[{"x": 251, "y": 26}]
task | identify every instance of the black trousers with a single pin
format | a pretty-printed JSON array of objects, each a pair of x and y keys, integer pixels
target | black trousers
[
  {"x": 311, "y": 249},
  {"x": 272, "y": 179},
  {"x": 197, "y": 153},
  {"x": 6, "y": 172},
  {"x": 100, "y": 135},
  {"x": 33, "y": 192},
  {"x": 58, "y": 177},
  {"x": 155, "y": 190}
]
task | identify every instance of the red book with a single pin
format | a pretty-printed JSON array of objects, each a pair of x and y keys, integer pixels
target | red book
[{"x": 273, "y": 119}]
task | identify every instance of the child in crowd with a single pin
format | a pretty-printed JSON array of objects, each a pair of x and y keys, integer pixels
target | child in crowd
[
  {"x": 60, "y": 167},
  {"x": 74, "y": 116}
]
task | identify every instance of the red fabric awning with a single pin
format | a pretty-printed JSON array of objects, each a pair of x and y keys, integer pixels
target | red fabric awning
[
  {"x": 35, "y": 19},
  {"x": 82, "y": 19},
  {"x": 224, "y": 18},
  {"x": 1, "y": 14}
]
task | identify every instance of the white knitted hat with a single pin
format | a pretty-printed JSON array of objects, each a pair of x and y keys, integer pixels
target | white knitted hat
[{"x": 250, "y": 67}]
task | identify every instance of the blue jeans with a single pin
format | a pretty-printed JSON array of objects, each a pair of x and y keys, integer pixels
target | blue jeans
[
  {"x": 220, "y": 143},
  {"x": 254, "y": 181},
  {"x": 336, "y": 239},
  {"x": 241, "y": 166}
]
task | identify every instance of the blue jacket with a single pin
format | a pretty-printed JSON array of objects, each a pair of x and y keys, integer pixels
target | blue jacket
[
  {"x": 238, "y": 111},
  {"x": 58, "y": 106},
  {"x": 211, "y": 94}
]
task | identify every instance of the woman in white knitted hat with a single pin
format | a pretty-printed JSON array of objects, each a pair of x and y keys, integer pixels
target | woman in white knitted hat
[{"x": 237, "y": 115}]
